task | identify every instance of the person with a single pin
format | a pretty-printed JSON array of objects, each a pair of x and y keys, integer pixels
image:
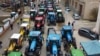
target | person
[
  {"x": 21, "y": 20},
  {"x": 68, "y": 23},
  {"x": 73, "y": 25},
  {"x": 0, "y": 44},
  {"x": 11, "y": 26}
]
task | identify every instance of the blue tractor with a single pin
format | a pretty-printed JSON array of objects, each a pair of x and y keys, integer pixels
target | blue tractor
[
  {"x": 53, "y": 43},
  {"x": 35, "y": 44},
  {"x": 51, "y": 18},
  {"x": 67, "y": 36}
]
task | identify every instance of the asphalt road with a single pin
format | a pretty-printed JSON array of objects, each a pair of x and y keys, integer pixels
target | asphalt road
[{"x": 68, "y": 17}]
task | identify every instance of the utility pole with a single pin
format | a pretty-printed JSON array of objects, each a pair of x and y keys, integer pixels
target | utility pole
[{"x": 22, "y": 6}]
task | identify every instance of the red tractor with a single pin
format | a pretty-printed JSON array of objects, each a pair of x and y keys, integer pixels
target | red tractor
[{"x": 39, "y": 24}]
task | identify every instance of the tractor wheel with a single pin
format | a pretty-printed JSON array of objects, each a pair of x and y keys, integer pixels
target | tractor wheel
[
  {"x": 74, "y": 43},
  {"x": 38, "y": 52},
  {"x": 48, "y": 54},
  {"x": 42, "y": 30},
  {"x": 60, "y": 53},
  {"x": 26, "y": 50}
]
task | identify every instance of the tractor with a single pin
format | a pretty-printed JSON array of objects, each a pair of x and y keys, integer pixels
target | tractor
[
  {"x": 53, "y": 43},
  {"x": 60, "y": 17},
  {"x": 39, "y": 24},
  {"x": 16, "y": 42},
  {"x": 24, "y": 30},
  {"x": 17, "y": 53},
  {"x": 51, "y": 18},
  {"x": 67, "y": 37},
  {"x": 49, "y": 10},
  {"x": 42, "y": 10},
  {"x": 33, "y": 13},
  {"x": 35, "y": 44}
]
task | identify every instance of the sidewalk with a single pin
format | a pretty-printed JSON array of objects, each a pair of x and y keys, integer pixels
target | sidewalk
[{"x": 6, "y": 37}]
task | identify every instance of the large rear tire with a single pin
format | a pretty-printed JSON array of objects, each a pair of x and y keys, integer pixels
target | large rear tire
[{"x": 48, "y": 54}]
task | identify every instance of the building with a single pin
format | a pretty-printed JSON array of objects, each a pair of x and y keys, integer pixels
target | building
[
  {"x": 83, "y": 7},
  {"x": 97, "y": 26}
]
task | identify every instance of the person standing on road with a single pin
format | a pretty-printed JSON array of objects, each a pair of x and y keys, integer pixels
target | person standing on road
[
  {"x": 69, "y": 23},
  {"x": 21, "y": 20},
  {"x": 73, "y": 25},
  {"x": 11, "y": 26}
]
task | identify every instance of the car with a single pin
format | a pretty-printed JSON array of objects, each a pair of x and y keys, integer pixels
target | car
[
  {"x": 88, "y": 33},
  {"x": 5, "y": 5},
  {"x": 76, "y": 16},
  {"x": 68, "y": 9}
]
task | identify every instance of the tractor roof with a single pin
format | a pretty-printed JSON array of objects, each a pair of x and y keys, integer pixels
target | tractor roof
[
  {"x": 25, "y": 19},
  {"x": 51, "y": 13},
  {"x": 40, "y": 12},
  {"x": 15, "y": 36},
  {"x": 34, "y": 33},
  {"x": 50, "y": 8},
  {"x": 53, "y": 37},
  {"x": 15, "y": 54},
  {"x": 13, "y": 12},
  {"x": 32, "y": 10},
  {"x": 67, "y": 27},
  {"x": 38, "y": 18},
  {"x": 59, "y": 10},
  {"x": 24, "y": 25},
  {"x": 26, "y": 16}
]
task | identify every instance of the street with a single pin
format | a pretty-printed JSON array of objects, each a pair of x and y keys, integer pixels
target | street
[{"x": 68, "y": 18}]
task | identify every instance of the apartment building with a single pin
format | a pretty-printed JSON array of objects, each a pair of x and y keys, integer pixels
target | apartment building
[{"x": 83, "y": 7}]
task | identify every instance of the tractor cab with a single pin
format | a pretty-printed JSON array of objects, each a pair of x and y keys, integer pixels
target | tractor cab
[
  {"x": 42, "y": 6},
  {"x": 33, "y": 13},
  {"x": 67, "y": 32},
  {"x": 42, "y": 10},
  {"x": 15, "y": 42},
  {"x": 60, "y": 17},
  {"x": 39, "y": 23},
  {"x": 67, "y": 36},
  {"x": 35, "y": 44},
  {"x": 51, "y": 18},
  {"x": 26, "y": 19},
  {"x": 51, "y": 31},
  {"x": 23, "y": 28},
  {"x": 50, "y": 10},
  {"x": 41, "y": 14},
  {"x": 54, "y": 45}
]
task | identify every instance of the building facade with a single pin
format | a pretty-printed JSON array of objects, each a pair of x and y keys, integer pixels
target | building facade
[{"x": 83, "y": 7}]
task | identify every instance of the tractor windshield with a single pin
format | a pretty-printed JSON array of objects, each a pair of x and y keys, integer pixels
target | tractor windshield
[
  {"x": 14, "y": 41},
  {"x": 38, "y": 21},
  {"x": 54, "y": 41},
  {"x": 41, "y": 10}
]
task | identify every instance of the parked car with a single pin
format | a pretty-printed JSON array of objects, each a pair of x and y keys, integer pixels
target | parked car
[
  {"x": 76, "y": 16},
  {"x": 68, "y": 9},
  {"x": 4, "y": 5},
  {"x": 88, "y": 33}
]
